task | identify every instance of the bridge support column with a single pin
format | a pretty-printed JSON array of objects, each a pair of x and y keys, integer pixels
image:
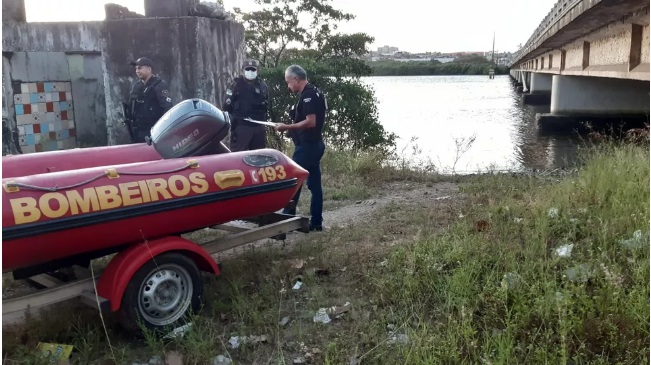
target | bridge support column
[
  {"x": 540, "y": 90},
  {"x": 523, "y": 85},
  {"x": 600, "y": 101},
  {"x": 517, "y": 78}
]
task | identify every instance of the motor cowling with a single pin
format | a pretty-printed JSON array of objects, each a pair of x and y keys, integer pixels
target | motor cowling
[{"x": 193, "y": 127}]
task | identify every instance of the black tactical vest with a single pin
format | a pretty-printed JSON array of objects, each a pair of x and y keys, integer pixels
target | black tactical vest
[
  {"x": 250, "y": 100},
  {"x": 148, "y": 109}
]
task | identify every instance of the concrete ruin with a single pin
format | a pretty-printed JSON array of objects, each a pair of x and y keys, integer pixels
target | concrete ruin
[{"x": 64, "y": 83}]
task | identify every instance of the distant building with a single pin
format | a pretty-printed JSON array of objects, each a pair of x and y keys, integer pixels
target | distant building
[
  {"x": 389, "y": 53},
  {"x": 503, "y": 61},
  {"x": 387, "y": 50},
  {"x": 412, "y": 59},
  {"x": 425, "y": 59},
  {"x": 480, "y": 53}
]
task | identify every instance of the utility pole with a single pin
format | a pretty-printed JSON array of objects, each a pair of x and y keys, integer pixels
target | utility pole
[
  {"x": 493, "y": 55},
  {"x": 491, "y": 71}
]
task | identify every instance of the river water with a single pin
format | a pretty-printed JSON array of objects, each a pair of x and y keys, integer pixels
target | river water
[{"x": 467, "y": 124}]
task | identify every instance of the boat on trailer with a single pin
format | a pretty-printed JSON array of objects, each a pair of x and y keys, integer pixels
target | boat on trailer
[{"x": 65, "y": 208}]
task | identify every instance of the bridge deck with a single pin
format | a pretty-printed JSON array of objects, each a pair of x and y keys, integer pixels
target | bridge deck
[{"x": 570, "y": 20}]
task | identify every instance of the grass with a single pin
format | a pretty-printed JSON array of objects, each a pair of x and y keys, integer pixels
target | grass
[
  {"x": 503, "y": 296},
  {"x": 467, "y": 281}
]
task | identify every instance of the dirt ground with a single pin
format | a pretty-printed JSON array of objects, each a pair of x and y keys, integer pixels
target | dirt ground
[
  {"x": 347, "y": 214},
  {"x": 399, "y": 193}
]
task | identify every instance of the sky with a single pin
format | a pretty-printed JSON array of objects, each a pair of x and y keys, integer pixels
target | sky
[{"x": 450, "y": 26}]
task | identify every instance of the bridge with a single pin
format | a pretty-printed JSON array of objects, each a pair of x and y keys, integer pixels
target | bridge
[{"x": 588, "y": 60}]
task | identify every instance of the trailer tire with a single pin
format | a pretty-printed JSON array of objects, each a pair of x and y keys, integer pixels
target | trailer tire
[{"x": 162, "y": 293}]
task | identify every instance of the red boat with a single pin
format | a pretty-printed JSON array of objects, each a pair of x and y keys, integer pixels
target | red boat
[
  {"x": 78, "y": 158},
  {"x": 46, "y": 217},
  {"x": 67, "y": 207}
]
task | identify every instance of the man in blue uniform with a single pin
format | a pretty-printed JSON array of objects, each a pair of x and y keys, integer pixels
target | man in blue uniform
[
  {"x": 149, "y": 99},
  {"x": 308, "y": 117},
  {"x": 247, "y": 97}
]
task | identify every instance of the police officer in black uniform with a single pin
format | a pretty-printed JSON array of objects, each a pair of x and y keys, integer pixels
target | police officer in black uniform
[
  {"x": 247, "y": 97},
  {"x": 149, "y": 99},
  {"x": 308, "y": 116}
]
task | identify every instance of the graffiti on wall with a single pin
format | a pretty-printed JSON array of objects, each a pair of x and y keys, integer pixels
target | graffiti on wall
[{"x": 44, "y": 115}]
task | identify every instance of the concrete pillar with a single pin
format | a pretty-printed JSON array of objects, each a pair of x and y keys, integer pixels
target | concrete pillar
[
  {"x": 517, "y": 81},
  {"x": 13, "y": 11},
  {"x": 168, "y": 8},
  {"x": 526, "y": 81},
  {"x": 598, "y": 100},
  {"x": 598, "y": 95},
  {"x": 540, "y": 90},
  {"x": 514, "y": 76},
  {"x": 522, "y": 84},
  {"x": 541, "y": 83}
]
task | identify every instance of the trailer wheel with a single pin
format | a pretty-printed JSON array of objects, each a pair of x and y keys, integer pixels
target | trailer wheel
[{"x": 161, "y": 293}]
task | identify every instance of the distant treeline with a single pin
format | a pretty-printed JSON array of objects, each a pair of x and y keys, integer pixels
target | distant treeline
[{"x": 462, "y": 66}]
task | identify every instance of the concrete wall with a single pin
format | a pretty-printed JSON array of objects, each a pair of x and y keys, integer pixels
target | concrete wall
[
  {"x": 87, "y": 79},
  {"x": 644, "y": 52},
  {"x": 44, "y": 59},
  {"x": 54, "y": 92},
  {"x": 193, "y": 55},
  {"x": 10, "y": 137},
  {"x": 51, "y": 37},
  {"x": 13, "y": 11},
  {"x": 556, "y": 61},
  {"x": 610, "y": 48},
  {"x": 221, "y": 58},
  {"x": 89, "y": 63},
  {"x": 574, "y": 56}
]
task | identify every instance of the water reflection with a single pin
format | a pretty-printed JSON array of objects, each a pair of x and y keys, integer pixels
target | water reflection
[
  {"x": 534, "y": 150},
  {"x": 443, "y": 112}
]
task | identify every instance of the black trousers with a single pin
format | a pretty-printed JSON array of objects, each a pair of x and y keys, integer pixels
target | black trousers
[
  {"x": 246, "y": 138},
  {"x": 140, "y": 134}
]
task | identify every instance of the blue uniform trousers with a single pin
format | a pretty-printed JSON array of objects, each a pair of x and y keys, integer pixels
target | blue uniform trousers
[{"x": 308, "y": 156}]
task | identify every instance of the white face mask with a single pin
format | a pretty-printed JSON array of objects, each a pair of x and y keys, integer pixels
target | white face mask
[{"x": 250, "y": 75}]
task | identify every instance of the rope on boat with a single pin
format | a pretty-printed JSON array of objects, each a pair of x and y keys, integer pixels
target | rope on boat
[{"x": 110, "y": 173}]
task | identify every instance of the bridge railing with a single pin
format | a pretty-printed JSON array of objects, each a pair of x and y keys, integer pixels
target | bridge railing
[{"x": 555, "y": 14}]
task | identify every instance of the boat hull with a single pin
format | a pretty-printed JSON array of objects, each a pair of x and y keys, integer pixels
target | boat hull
[
  {"x": 133, "y": 203},
  {"x": 77, "y": 158}
]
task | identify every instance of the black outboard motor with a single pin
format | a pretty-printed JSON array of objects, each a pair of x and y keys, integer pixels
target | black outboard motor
[{"x": 193, "y": 127}]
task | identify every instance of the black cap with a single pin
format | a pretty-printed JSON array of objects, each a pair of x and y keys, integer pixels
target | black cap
[
  {"x": 142, "y": 61},
  {"x": 250, "y": 63}
]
